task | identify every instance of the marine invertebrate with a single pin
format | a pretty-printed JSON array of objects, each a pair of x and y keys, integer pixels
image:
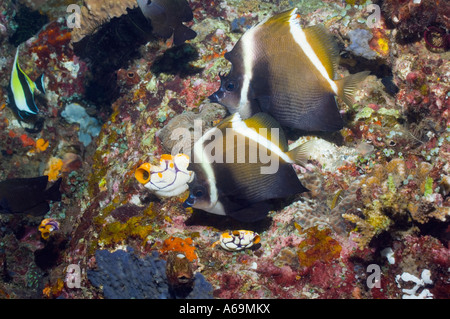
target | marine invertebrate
[
  {"x": 41, "y": 145},
  {"x": 411, "y": 18},
  {"x": 180, "y": 273},
  {"x": 89, "y": 126},
  {"x": 53, "y": 169},
  {"x": 170, "y": 178},
  {"x": 123, "y": 275},
  {"x": 392, "y": 194},
  {"x": 177, "y": 244},
  {"x": 238, "y": 240},
  {"x": 318, "y": 246},
  {"x": 437, "y": 38},
  {"x": 359, "y": 45},
  {"x": 47, "y": 226},
  {"x": 118, "y": 232},
  {"x": 425, "y": 279}
]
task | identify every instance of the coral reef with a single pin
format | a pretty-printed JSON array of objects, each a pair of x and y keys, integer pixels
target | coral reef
[{"x": 378, "y": 189}]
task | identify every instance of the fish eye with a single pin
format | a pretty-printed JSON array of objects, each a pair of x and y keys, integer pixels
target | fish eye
[
  {"x": 199, "y": 192},
  {"x": 230, "y": 86}
]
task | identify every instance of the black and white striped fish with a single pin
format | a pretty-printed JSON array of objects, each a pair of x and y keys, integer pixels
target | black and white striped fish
[
  {"x": 21, "y": 91},
  {"x": 242, "y": 168},
  {"x": 288, "y": 71}
]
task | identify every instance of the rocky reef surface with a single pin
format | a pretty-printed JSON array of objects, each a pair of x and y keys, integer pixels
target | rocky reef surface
[{"x": 375, "y": 223}]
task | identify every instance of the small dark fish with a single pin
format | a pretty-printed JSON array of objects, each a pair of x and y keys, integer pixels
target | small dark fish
[
  {"x": 247, "y": 178},
  {"x": 28, "y": 195},
  {"x": 167, "y": 17},
  {"x": 288, "y": 71},
  {"x": 389, "y": 85}
]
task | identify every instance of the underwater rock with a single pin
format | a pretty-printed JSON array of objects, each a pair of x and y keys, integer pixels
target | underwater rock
[
  {"x": 195, "y": 123},
  {"x": 96, "y": 12}
]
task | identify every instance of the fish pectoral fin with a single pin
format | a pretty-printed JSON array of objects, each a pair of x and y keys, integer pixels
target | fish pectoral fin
[
  {"x": 53, "y": 192},
  {"x": 251, "y": 213},
  {"x": 182, "y": 33},
  {"x": 39, "y": 209},
  {"x": 263, "y": 102},
  {"x": 347, "y": 86}
]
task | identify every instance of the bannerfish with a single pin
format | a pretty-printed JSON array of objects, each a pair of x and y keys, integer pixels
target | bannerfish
[
  {"x": 28, "y": 195},
  {"x": 288, "y": 71},
  {"x": 21, "y": 91},
  {"x": 167, "y": 17},
  {"x": 242, "y": 168}
]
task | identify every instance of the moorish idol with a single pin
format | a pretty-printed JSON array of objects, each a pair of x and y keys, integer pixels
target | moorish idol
[
  {"x": 288, "y": 71},
  {"x": 21, "y": 91},
  {"x": 242, "y": 168}
]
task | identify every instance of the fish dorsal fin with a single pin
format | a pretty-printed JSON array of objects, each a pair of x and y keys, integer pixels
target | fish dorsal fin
[
  {"x": 30, "y": 83},
  {"x": 324, "y": 46},
  {"x": 39, "y": 83},
  {"x": 263, "y": 120},
  {"x": 282, "y": 17}
]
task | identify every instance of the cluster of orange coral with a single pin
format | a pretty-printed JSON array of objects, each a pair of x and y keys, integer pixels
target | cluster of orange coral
[
  {"x": 54, "y": 167},
  {"x": 53, "y": 291},
  {"x": 177, "y": 244}
]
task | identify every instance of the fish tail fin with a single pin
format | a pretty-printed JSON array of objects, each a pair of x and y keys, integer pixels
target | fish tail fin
[
  {"x": 347, "y": 86},
  {"x": 182, "y": 33},
  {"x": 53, "y": 192},
  {"x": 300, "y": 154},
  {"x": 39, "y": 83}
]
